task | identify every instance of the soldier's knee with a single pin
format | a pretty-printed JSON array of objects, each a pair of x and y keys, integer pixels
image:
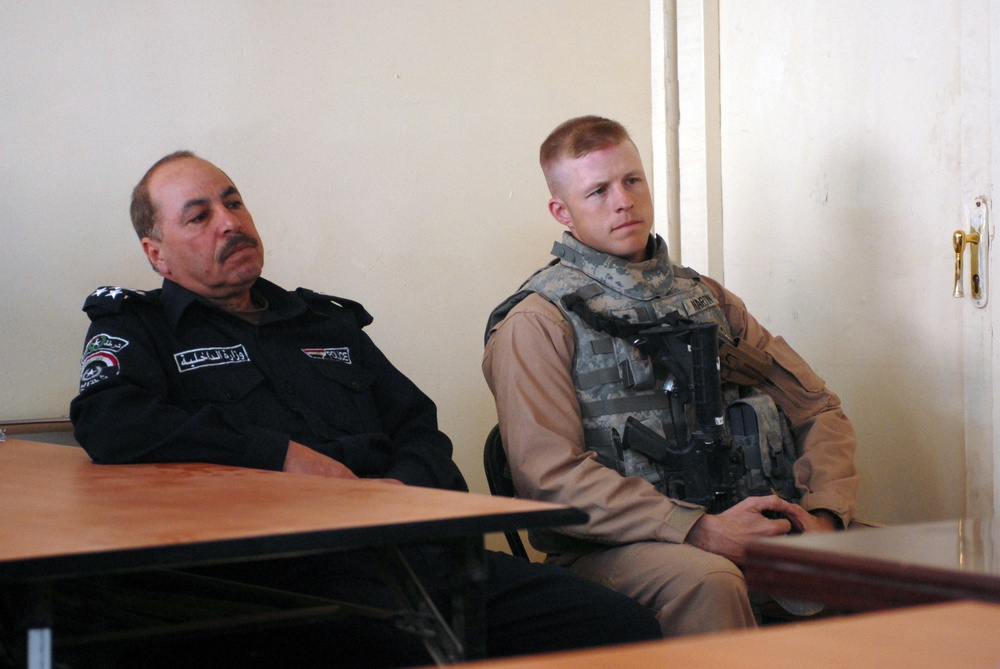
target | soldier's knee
[
  {"x": 724, "y": 581},
  {"x": 718, "y": 586},
  {"x": 712, "y": 599},
  {"x": 716, "y": 573}
]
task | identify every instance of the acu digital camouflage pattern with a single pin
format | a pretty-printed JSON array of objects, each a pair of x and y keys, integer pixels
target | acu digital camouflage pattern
[{"x": 614, "y": 380}]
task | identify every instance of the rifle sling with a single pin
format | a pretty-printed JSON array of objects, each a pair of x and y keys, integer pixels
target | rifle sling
[{"x": 742, "y": 363}]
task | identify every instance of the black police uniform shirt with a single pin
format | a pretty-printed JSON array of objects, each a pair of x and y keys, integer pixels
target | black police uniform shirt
[{"x": 168, "y": 377}]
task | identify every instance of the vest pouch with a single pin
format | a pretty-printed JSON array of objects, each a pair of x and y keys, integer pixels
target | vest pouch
[
  {"x": 760, "y": 433},
  {"x": 636, "y": 369},
  {"x": 611, "y": 452}
]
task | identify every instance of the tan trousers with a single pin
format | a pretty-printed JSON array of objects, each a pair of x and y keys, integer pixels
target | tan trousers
[{"x": 691, "y": 591}]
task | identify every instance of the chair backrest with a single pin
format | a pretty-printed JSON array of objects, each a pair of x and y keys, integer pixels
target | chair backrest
[{"x": 501, "y": 485}]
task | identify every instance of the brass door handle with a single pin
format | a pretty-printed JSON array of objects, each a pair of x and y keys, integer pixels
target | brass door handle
[
  {"x": 978, "y": 241},
  {"x": 959, "y": 240}
]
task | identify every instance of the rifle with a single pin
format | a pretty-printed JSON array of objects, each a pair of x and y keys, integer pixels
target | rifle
[
  {"x": 704, "y": 468},
  {"x": 718, "y": 457}
]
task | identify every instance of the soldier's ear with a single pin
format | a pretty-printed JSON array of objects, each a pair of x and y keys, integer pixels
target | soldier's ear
[{"x": 561, "y": 213}]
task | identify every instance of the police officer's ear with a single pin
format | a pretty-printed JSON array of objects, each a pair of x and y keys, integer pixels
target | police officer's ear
[{"x": 151, "y": 247}]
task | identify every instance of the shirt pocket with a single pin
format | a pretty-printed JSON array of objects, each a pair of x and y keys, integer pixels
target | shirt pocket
[
  {"x": 344, "y": 398},
  {"x": 344, "y": 376},
  {"x": 224, "y": 384}
]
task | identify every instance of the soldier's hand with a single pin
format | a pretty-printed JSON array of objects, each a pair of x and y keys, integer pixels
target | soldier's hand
[
  {"x": 729, "y": 532},
  {"x": 816, "y": 521}
]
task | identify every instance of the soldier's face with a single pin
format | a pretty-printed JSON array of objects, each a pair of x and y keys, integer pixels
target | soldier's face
[
  {"x": 207, "y": 239},
  {"x": 604, "y": 200}
]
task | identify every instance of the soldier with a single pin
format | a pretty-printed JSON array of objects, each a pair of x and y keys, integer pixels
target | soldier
[
  {"x": 565, "y": 391},
  {"x": 222, "y": 366}
]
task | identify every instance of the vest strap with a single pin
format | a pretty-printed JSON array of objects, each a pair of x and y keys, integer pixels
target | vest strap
[
  {"x": 656, "y": 401},
  {"x": 599, "y": 377}
]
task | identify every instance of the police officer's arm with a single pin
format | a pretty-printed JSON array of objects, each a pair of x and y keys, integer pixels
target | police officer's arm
[
  {"x": 420, "y": 454},
  {"x": 824, "y": 437},
  {"x": 122, "y": 415}
]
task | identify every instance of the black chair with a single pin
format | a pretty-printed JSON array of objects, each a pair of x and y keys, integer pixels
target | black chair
[{"x": 501, "y": 485}]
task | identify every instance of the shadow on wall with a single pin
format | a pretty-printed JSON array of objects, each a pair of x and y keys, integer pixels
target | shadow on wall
[{"x": 53, "y": 431}]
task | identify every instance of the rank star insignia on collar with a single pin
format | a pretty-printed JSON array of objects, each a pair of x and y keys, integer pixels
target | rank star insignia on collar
[{"x": 113, "y": 292}]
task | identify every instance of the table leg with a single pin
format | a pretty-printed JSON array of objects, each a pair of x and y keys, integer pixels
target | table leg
[
  {"x": 39, "y": 648},
  {"x": 30, "y": 606},
  {"x": 468, "y": 595},
  {"x": 419, "y": 615},
  {"x": 465, "y": 637}
]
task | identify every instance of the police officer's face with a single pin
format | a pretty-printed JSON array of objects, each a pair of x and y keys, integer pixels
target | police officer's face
[
  {"x": 604, "y": 200},
  {"x": 207, "y": 240}
]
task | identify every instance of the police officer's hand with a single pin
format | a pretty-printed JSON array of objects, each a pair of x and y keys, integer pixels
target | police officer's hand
[
  {"x": 729, "y": 532},
  {"x": 301, "y": 459}
]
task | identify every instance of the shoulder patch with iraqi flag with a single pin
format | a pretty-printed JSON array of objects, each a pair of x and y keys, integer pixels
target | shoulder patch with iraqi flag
[{"x": 100, "y": 361}]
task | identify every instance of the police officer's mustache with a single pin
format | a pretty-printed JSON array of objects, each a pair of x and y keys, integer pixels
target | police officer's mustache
[{"x": 234, "y": 243}]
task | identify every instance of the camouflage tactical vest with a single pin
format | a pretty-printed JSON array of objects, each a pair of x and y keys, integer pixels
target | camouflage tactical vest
[{"x": 614, "y": 380}]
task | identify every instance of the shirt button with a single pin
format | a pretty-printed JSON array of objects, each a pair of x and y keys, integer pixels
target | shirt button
[
  {"x": 289, "y": 388},
  {"x": 230, "y": 395}
]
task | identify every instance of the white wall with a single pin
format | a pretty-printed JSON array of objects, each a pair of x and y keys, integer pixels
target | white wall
[
  {"x": 387, "y": 149},
  {"x": 841, "y": 135}
]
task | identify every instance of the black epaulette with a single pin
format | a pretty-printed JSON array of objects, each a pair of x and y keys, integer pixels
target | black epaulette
[
  {"x": 108, "y": 300},
  {"x": 312, "y": 297}
]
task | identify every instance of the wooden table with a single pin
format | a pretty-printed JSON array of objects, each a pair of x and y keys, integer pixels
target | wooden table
[
  {"x": 63, "y": 517},
  {"x": 957, "y": 635},
  {"x": 877, "y": 568}
]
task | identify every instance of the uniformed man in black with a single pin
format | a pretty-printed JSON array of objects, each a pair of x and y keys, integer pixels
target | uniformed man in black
[{"x": 222, "y": 366}]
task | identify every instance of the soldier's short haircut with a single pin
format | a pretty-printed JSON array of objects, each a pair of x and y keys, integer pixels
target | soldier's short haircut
[
  {"x": 142, "y": 210},
  {"x": 577, "y": 137}
]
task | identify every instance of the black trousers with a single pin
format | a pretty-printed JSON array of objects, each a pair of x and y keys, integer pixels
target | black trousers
[{"x": 529, "y": 608}]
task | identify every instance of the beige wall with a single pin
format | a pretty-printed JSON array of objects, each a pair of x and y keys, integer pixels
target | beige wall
[{"x": 387, "y": 149}]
